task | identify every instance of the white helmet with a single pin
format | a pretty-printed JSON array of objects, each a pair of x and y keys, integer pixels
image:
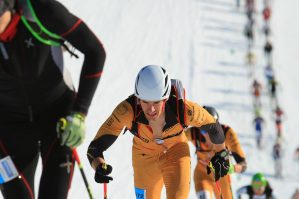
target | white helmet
[{"x": 152, "y": 83}]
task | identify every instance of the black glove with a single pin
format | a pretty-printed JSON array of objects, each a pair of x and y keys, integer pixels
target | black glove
[
  {"x": 219, "y": 164},
  {"x": 102, "y": 172}
]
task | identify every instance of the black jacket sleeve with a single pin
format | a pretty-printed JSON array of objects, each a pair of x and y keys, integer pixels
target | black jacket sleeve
[
  {"x": 56, "y": 18},
  {"x": 98, "y": 146}
]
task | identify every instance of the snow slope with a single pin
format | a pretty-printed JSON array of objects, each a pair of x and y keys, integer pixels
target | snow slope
[{"x": 201, "y": 43}]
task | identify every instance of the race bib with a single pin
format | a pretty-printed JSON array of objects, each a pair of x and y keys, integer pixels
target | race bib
[
  {"x": 8, "y": 170},
  {"x": 140, "y": 193}
]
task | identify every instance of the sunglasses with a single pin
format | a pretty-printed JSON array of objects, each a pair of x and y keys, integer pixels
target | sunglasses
[{"x": 258, "y": 185}]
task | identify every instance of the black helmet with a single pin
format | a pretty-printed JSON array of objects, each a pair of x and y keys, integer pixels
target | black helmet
[
  {"x": 6, "y": 5},
  {"x": 212, "y": 111}
]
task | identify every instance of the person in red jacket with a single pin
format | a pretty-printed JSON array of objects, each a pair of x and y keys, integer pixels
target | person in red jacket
[
  {"x": 266, "y": 13},
  {"x": 37, "y": 97}
]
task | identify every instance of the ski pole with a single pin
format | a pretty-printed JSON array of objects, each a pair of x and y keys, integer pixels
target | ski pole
[
  {"x": 216, "y": 182},
  {"x": 105, "y": 190},
  {"x": 219, "y": 189},
  {"x": 75, "y": 153}
]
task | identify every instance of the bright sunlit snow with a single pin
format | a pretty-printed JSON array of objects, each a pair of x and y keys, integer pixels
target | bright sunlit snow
[{"x": 200, "y": 42}]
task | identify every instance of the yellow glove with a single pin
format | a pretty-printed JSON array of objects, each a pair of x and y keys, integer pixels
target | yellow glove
[{"x": 71, "y": 129}]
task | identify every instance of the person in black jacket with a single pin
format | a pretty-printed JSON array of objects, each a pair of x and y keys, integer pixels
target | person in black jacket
[
  {"x": 40, "y": 111},
  {"x": 259, "y": 188}
]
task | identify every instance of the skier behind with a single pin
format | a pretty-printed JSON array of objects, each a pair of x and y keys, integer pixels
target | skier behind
[
  {"x": 268, "y": 47},
  {"x": 36, "y": 93},
  {"x": 269, "y": 74},
  {"x": 266, "y": 13},
  {"x": 278, "y": 120},
  {"x": 273, "y": 90},
  {"x": 250, "y": 8},
  {"x": 277, "y": 157},
  {"x": 266, "y": 30},
  {"x": 156, "y": 115},
  {"x": 256, "y": 91},
  {"x": 258, "y": 125},
  {"x": 259, "y": 188},
  {"x": 205, "y": 186},
  {"x": 250, "y": 62},
  {"x": 257, "y": 111},
  {"x": 249, "y": 33}
]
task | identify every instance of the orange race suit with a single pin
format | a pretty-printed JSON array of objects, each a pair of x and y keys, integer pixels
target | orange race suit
[
  {"x": 156, "y": 163},
  {"x": 205, "y": 185}
]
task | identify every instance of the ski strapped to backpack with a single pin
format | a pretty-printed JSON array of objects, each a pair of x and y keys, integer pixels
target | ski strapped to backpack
[{"x": 176, "y": 101}]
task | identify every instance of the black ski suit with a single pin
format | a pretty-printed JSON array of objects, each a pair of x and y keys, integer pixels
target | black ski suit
[{"x": 34, "y": 94}]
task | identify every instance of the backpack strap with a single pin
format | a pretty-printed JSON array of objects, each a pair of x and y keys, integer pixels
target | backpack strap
[
  {"x": 225, "y": 129},
  {"x": 133, "y": 102},
  {"x": 197, "y": 137},
  {"x": 178, "y": 94},
  {"x": 250, "y": 191}
]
